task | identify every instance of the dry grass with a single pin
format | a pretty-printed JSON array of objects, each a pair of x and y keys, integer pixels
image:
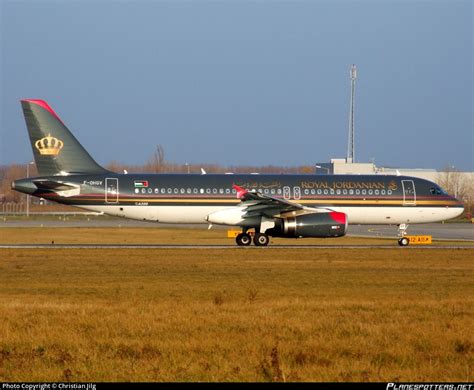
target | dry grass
[
  {"x": 152, "y": 235},
  {"x": 236, "y": 314},
  {"x": 160, "y": 235}
]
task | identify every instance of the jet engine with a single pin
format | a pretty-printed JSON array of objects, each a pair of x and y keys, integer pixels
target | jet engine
[
  {"x": 232, "y": 216},
  {"x": 330, "y": 224}
]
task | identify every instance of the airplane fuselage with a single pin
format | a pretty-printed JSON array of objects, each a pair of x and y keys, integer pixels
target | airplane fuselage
[{"x": 189, "y": 198}]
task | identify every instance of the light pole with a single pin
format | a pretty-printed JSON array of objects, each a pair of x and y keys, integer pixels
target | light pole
[
  {"x": 351, "y": 140},
  {"x": 454, "y": 180},
  {"x": 27, "y": 195}
]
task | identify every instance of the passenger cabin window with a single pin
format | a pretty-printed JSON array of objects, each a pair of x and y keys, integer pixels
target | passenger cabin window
[{"x": 297, "y": 193}]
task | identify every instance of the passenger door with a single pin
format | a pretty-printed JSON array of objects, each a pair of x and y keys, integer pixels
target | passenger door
[
  {"x": 409, "y": 193},
  {"x": 111, "y": 190}
]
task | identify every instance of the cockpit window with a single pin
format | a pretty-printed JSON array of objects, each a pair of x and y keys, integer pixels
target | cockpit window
[{"x": 437, "y": 191}]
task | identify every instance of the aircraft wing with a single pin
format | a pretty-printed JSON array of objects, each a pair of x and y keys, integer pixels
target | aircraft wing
[{"x": 258, "y": 204}]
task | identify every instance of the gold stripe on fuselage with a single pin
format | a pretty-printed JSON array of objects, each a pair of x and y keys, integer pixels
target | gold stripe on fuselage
[{"x": 440, "y": 203}]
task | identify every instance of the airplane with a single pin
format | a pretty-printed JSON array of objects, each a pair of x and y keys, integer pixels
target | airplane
[{"x": 267, "y": 205}]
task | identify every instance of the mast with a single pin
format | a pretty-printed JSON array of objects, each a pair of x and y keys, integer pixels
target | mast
[{"x": 351, "y": 141}]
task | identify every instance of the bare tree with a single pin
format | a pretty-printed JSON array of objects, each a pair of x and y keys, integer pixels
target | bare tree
[
  {"x": 157, "y": 162},
  {"x": 9, "y": 174},
  {"x": 115, "y": 166},
  {"x": 450, "y": 179}
]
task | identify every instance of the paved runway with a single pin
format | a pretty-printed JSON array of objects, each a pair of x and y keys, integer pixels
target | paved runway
[{"x": 439, "y": 231}]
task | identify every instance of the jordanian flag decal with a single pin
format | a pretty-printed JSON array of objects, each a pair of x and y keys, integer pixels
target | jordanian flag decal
[{"x": 141, "y": 183}]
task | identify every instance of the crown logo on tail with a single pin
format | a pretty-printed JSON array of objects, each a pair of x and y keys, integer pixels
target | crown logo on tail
[{"x": 49, "y": 146}]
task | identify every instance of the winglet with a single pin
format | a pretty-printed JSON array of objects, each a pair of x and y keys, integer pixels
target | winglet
[{"x": 241, "y": 192}]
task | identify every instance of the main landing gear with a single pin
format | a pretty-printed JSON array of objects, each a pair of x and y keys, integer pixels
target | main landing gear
[
  {"x": 402, "y": 240},
  {"x": 243, "y": 239},
  {"x": 259, "y": 239}
]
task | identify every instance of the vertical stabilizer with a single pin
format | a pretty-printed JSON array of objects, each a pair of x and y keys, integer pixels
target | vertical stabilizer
[{"x": 55, "y": 149}]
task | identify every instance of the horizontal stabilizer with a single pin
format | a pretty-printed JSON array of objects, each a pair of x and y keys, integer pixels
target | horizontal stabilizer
[
  {"x": 63, "y": 189},
  {"x": 53, "y": 185}
]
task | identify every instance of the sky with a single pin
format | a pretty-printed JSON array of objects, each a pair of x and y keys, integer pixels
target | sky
[{"x": 244, "y": 82}]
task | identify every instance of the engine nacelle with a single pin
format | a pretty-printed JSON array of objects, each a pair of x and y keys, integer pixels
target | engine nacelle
[
  {"x": 330, "y": 224},
  {"x": 232, "y": 216}
]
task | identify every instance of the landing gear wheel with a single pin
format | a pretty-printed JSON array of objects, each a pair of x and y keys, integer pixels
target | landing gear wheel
[
  {"x": 402, "y": 230},
  {"x": 403, "y": 241},
  {"x": 243, "y": 239},
  {"x": 261, "y": 239}
]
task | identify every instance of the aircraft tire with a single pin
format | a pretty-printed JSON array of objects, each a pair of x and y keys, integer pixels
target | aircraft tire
[
  {"x": 403, "y": 241},
  {"x": 243, "y": 239},
  {"x": 261, "y": 239}
]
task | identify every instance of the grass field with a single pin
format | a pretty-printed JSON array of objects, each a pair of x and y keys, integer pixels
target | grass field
[{"x": 231, "y": 314}]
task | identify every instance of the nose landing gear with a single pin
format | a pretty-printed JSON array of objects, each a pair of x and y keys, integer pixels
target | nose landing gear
[{"x": 402, "y": 240}]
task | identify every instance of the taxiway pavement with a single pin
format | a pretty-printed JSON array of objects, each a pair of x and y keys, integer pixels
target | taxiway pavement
[{"x": 439, "y": 231}]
